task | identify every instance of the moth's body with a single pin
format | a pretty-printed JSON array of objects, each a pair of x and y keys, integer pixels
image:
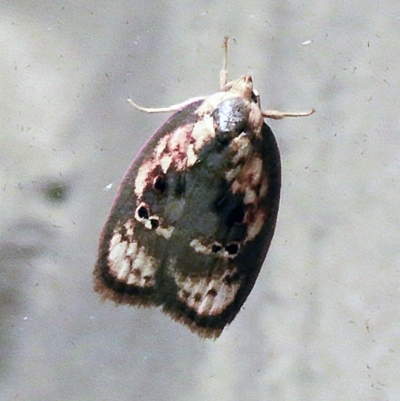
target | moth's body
[{"x": 196, "y": 212}]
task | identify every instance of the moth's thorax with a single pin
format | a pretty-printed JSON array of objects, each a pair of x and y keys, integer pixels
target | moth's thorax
[{"x": 239, "y": 98}]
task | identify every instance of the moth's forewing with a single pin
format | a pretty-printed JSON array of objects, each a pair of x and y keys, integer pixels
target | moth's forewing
[
  {"x": 123, "y": 210},
  {"x": 210, "y": 214}
]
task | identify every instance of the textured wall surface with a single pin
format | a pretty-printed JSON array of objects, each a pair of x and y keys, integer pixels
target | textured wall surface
[{"x": 323, "y": 320}]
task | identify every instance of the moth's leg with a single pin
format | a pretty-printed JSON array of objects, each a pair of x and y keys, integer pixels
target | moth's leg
[
  {"x": 170, "y": 109},
  {"x": 279, "y": 115},
  {"x": 223, "y": 75}
]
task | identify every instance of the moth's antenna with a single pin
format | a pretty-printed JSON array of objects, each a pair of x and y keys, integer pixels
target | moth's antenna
[
  {"x": 223, "y": 75},
  {"x": 279, "y": 115}
]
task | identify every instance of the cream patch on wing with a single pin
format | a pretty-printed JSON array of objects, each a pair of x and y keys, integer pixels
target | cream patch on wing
[
  {"x": 229, "y": 251},
  {"x": 178, "y": 149},
  {"x": 203, "y": 132},
  {"x": 152, "y": 222},
  {"x": 128, "y": 262},
  {"x": 255, "y": 221},
  {"x": 241, "y": 147},
  {"x": 247, "y": 177},
  {"x": 252, "y": 182},
  {"x": 256, "y": 120},
  {"x": 208, "y": 296}
]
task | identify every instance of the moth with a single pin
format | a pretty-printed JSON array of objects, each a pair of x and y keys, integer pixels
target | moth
[{"x": 195, "y": 213}]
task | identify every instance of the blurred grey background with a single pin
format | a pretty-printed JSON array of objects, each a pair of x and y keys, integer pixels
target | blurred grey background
[{"x": 323, "y": 321}]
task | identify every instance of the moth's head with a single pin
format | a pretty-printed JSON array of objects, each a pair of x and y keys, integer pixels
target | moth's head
[{"x": 243, "y": 86}]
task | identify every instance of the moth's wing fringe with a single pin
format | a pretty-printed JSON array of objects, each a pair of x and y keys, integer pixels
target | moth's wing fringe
[
  {"x": 123, "y": 298},
  {"x": 203, "y": 332},
  {"x": 120, "y": 297}
]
